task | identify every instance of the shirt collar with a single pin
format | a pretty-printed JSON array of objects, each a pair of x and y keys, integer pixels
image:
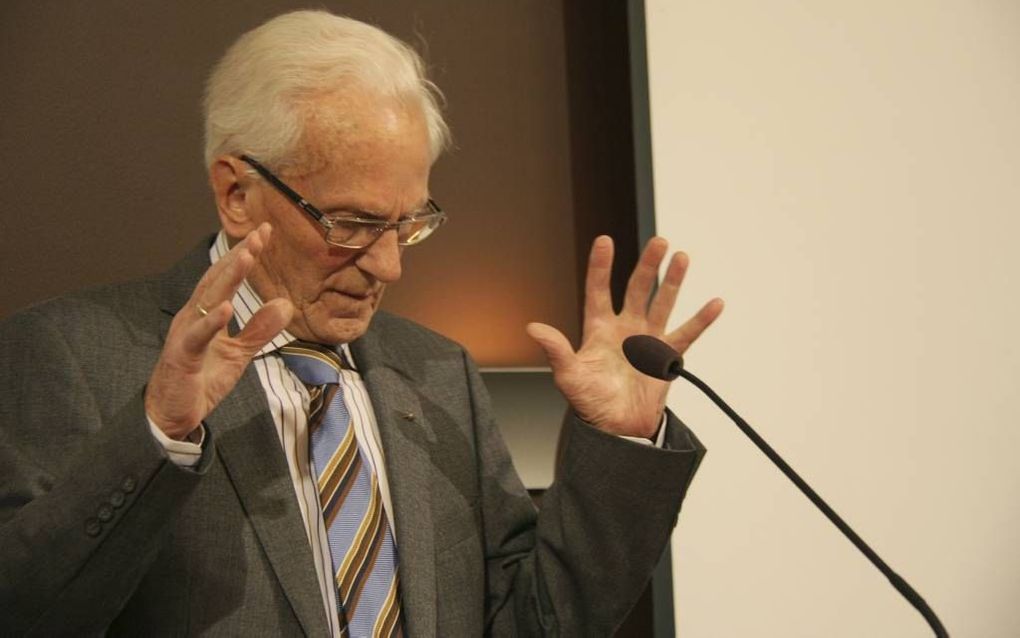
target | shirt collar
[{"x": 247, "y": 302}]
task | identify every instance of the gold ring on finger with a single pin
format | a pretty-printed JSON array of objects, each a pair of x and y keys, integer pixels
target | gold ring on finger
[{"x": 202, "y": 311}]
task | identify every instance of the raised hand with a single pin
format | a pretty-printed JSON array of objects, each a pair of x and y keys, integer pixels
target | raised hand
[
  {"x": 200, "y": 363},
  {"x": 597, "y": 381}
]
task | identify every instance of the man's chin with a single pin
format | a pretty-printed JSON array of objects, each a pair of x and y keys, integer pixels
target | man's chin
[
  {"x": 332, "y": 324},
  {"x": 337, "y": 330}
]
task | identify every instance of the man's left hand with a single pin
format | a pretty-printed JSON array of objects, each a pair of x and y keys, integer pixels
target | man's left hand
[{"x": 598, "y": 382}]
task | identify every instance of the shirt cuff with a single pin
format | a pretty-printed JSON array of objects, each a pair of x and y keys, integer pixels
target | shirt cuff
[
  {"x": 182, "y": 453},
  {"x": 658, "y": 441}
]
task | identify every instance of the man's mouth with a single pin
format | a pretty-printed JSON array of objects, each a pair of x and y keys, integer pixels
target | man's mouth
[{"x": 355, "y": 294}]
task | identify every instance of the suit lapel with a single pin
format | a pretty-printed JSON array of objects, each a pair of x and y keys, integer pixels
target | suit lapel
[
  {"x": 250, "y": 450},
  {"x": 404, "y": 434},
  {"x": 248, "y": 446}
]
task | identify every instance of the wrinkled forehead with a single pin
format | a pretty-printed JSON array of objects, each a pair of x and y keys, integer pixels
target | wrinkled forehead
[
  {"x": 357, "y": 131},
  {"x": 372, "y": 154}
]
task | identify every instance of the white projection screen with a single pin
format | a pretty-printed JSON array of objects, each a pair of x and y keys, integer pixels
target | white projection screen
[{"x": 846, "y": 175}]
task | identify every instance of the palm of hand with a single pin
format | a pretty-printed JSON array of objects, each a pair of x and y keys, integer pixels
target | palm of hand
[
  {"x": 597, "y": 380},
  {"x": 201, "y": 363}
]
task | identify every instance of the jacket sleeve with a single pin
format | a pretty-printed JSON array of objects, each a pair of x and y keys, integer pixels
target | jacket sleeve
[
  {"x": 85, "y": 490},
  {"x": 577, "y": 566}
]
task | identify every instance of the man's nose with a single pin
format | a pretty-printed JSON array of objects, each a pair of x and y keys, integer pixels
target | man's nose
[{"x": 382, "y": 258}]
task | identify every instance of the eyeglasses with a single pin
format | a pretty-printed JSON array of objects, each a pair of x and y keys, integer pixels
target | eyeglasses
[{"x": 357, "y": 233}]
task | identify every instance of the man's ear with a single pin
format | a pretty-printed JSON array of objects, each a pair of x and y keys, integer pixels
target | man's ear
[{"x": 231, "y": 184}]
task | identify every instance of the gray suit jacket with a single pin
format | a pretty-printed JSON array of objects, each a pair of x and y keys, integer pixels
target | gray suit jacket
[{"x": 100, "y": 533}]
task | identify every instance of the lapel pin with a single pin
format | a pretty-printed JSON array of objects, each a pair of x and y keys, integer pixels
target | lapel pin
[{"x": 407, "y": 416}]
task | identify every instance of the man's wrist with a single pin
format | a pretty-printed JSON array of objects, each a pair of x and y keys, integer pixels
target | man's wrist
[
  {"x": 658, "y": 440},
  {"x": 186, "y": 453}
]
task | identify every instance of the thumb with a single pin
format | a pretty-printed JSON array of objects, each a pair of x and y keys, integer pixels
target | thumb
[{"x": 556, "y": 346}]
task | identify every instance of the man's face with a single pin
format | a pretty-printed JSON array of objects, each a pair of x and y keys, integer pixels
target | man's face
[{"x": 374, "y": 163}]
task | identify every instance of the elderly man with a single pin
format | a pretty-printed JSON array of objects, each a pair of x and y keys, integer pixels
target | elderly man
[{"x": 246, "y": 446}]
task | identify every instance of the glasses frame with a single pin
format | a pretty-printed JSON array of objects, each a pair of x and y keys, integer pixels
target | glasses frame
[{"x": 378, "y": 226}]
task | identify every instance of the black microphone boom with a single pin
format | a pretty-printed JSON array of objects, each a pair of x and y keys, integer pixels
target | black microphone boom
[{"x": 656, "y": 359}]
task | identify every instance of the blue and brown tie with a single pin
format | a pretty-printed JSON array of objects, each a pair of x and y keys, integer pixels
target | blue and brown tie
[{"x": 360, "y": 540}]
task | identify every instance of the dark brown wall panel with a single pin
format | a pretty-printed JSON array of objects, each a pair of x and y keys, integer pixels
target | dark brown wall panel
[{"x": 103, "y": 179}]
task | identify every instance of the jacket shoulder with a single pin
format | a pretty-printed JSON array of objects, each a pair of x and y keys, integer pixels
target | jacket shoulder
[
  {"x": 131, "y": 310},
  {"x": 390, "y": 325},
  {"x": 125, "y": 308},
  {"x": 398, "y": 332}
]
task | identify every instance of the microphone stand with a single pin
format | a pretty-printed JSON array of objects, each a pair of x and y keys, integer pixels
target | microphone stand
[{"x": 897, "y": 581}]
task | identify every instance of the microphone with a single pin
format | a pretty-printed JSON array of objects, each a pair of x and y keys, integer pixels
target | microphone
[{"x": 655, "y": 358}]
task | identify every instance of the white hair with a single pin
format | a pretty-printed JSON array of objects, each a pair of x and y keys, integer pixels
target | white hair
[{"x": 256, "y": 95}]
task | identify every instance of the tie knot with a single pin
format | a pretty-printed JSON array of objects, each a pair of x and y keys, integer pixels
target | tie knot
[{"x": 313, "y": 363}]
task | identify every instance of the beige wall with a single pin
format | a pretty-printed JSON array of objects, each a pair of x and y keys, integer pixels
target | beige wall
[{"x": 847, "y": 176}]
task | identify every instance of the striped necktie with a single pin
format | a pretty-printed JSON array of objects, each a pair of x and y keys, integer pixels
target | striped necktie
[{"x": 360, "y": 541}]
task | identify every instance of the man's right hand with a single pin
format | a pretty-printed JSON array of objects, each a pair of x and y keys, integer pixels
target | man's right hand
[{"x": 200, "y": 363}]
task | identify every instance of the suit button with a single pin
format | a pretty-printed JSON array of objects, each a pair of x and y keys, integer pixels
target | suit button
[
  {"x": 105, "y": 513},
  {"x": 93, "y": 527},
  {"x": 128, "y": 485},
  {"x": 116, "y": 498}
]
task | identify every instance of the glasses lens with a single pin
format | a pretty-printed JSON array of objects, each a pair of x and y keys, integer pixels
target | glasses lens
[
  {"x": 355, "y": 233},
  {"x": 414, "y": 231},
  {"x": 351, "y": 233}
]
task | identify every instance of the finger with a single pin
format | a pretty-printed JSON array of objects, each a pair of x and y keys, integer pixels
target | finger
[
  {"x": 665, "y": 297},
  {"x": 199, "y": 334},
  {"x": 224, "y": 262},
  {"x": 221, "y": 284},
  {"x": 265, "y": 324},
  {"x": 598, "y": 300},
  {"x": 642, "y": 279},
  {"x": 225, "y": 284},
  {"x": 556, "y": 346},
  {"x": 682, "y": 338}
]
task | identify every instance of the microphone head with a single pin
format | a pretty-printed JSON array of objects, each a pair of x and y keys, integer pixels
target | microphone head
[{"x": 653, "y": 357}]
